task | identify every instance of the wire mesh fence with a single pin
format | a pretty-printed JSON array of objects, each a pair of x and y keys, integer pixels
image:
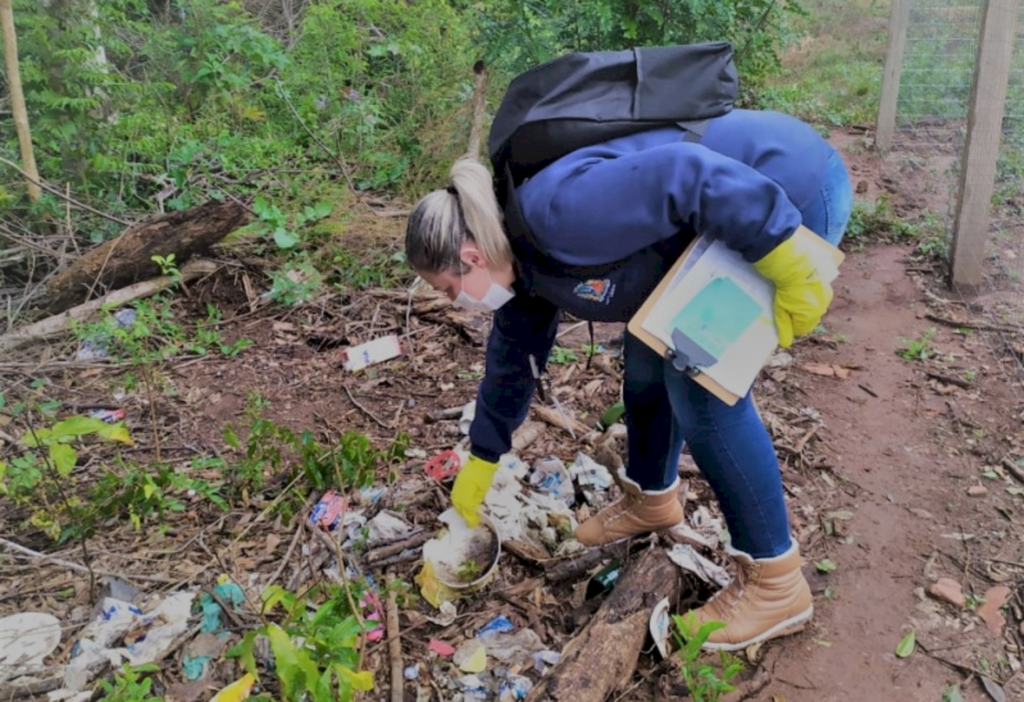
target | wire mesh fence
[{"x": 932, "y": 108}]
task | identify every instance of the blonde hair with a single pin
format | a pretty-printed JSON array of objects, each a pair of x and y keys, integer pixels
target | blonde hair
[{"x": 444, "y": 219}]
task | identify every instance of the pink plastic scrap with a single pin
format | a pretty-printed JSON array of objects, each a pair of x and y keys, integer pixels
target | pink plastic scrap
[
  {"x": 371, "y": 603},
  {"x": 441, "y": 648}
]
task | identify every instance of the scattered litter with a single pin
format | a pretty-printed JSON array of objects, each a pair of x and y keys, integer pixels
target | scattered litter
[
  {"x": 515, "y": 687},
  {"x": 329, "y": 512},
  {"x": 684, "y": 533},
  {"x": 146, "y": 636},
  {"x": 443, "y": 466},
  {"x": 589, "y": 472},
  {"x": 550, "y": 475},
  {"x": 372, "y": 352},
  {"x": 411, "y": 672},
  {"x": 471, "y": 656},
  {"x": 91, "y": 349},
  {"x": 604, "y": 580},
  {"x": 441, "y": 648},
  {"x": 386, "y": 526},
  {"x": 515, "y": 649},
  {"x": 373, "y": 614},
  {"x": 684, "y": 556},
  {"x": 780, "y": 360},
  {"x": 200, "y": 651},
  {"x": 542, "y": 660},
  {"x": 110, "y": 416},
  {"x": 448, "y": 614},
  {"x": 659, "y": 626},
  {"x": 230, "y": 594},
  {"x": 707, "y": 524},
  {"x": 499, "y": 625},
  {"x": 372, "y": 495},
  {"x": 473, "y": 688},
  {"x": 611, "y": 415},
  {"x": 520, "y": 514},
  {"x": 25, "y": 640},
  {"x": 466, "y": 420}
]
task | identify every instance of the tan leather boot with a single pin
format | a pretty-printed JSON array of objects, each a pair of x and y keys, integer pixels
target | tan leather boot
[
  {"x": 636, "y": 512},
  {"x": 768, "y": 598}
]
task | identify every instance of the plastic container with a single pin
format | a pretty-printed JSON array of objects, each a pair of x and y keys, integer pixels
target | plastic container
[{"x": 457, "y": 546}]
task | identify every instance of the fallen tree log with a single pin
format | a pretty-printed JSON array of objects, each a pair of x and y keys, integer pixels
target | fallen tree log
[
  {"x": 60, "y": 323},
  {"x": 602, "y": 658},
  {"x": 128, "y": 258}
]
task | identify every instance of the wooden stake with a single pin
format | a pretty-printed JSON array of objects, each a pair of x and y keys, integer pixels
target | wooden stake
[
  {"x": 18, "y": 99},
  {"x": 984, "y": 129},
  {"x": 899, "y": 18}
]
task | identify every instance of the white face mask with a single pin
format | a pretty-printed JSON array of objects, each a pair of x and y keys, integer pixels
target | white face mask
[{"x": 493, "y": 299}]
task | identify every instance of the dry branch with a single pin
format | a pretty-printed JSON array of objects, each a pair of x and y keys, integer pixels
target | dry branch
[
  {"x": 128, "y": 258},
  {"x": 60, "y": 323},
  {"x": 601, "y": 659},
  {"x": 552, "y": 416},
  {"x": 395, "y": 648}
]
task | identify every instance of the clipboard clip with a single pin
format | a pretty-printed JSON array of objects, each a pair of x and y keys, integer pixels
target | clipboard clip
[{"x": 687, "y": 357}]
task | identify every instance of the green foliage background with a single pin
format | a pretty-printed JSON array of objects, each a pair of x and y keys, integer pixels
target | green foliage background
[{"x": 197, "y": 98}]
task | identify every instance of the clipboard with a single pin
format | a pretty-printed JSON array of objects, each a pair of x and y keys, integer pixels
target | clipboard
[{"x": 681, "y": 360}]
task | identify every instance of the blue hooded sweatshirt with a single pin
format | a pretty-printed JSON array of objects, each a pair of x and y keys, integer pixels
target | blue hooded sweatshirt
[{"x": 611, "y": 219}]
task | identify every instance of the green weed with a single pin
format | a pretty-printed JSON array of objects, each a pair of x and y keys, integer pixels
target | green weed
[
  {"x": 39, "y": 479},
  {"x": 273, "y": 451},
  {"x": 315, "y": 647},
  {"x": 129, "y": 685},
  {"x": 918, "y": 349},
  {"x": 707, "y": 682},
  {"x": 561, "y": 356},
  {"x": 832, "y": 74}
]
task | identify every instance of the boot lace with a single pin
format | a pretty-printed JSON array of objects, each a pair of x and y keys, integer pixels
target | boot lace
[
  {"x": 621, "y": 507},
  {"x": 732, "y": 596}
]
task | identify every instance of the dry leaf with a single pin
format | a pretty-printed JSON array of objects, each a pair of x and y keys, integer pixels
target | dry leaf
[{"x": 828, "y": 370}]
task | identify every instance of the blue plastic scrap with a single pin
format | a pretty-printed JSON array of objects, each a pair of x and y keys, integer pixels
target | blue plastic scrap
[{"x": 499, "y": 625}]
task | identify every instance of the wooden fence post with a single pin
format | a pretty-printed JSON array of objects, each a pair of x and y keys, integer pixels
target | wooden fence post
[
  {"x": 899, "y": 19},
  {"x": 981, "y": 150}
]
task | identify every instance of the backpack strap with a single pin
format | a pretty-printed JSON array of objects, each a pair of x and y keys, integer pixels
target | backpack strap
[{"x": 694, "y": 130}]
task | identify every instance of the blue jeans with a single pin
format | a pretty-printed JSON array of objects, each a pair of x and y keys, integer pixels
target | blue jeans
[{"x": 730, "y": 445}]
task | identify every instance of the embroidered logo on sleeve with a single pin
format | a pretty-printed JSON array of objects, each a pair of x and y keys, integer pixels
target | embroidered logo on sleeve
[{"x": 595, "y": 290}]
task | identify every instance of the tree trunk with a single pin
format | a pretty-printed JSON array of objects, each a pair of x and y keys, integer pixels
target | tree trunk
[
  {"x": 602, "y": 658},
  {"x": 128, "y": 258},
  {"x": 28, "y": 157}
]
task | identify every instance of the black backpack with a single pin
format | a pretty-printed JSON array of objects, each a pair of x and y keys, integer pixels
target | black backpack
[{"x": 587, "y": 98}]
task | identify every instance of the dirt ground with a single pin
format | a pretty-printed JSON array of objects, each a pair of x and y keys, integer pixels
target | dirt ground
[{"x": 899, "y": 472}]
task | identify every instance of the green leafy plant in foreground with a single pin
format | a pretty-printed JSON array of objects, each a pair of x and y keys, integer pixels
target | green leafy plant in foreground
[
  {"x": 315, "y": 646},
  {"x": 707, "y": 682},
  {"x": 39, "y": 478},
  {"x": 129, "y": 686}
]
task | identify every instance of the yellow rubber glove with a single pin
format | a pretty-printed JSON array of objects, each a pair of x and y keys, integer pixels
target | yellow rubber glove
[
  {"x": 471, "y": 486},
  {"x": 802, "y": 295}
]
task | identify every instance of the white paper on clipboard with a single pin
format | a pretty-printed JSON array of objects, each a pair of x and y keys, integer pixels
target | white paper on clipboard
[{"x": 723, "y": 307}]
